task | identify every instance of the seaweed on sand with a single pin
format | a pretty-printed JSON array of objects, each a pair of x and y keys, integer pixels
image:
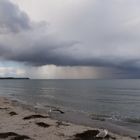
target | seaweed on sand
[
  {"x": 34, "y": 117},
  {"x": 59, "y": 123},
  {"x": 86, "y": 135},
  {"x": 3, "y": 108},
  {"x": 58, "y": 110},
  {"x": 12, "y": 113},
  {"x": 42, "y": 124},
  {"x": 7, "y": 134},
  {"x": 91, "y": 135},
  {"x": 22, "y": 137},
  {"x": 13, "y": 136}
]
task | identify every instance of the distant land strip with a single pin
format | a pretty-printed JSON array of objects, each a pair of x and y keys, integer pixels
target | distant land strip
[{"x": 14, "y": 78}]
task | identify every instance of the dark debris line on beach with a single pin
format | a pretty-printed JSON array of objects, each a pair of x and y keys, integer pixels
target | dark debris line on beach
[
  {"x": 14, "y": 136},
  {"x": 59, "y": 123},
  {"x": 3, "y": 108},
  {"x": 12, "y": 113},
  {"x": 86, "y": 135},
  {"x": 34, "y": 117},
  {"x": 58, "y": 110},
  {"x": 42, "y": 124},
  {"x": 91, "y": 135}
]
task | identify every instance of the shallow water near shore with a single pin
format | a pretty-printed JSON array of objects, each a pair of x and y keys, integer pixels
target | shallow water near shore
[{"x": 114, "y": 102}]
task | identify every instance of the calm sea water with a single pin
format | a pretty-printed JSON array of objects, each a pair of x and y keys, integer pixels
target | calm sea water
[{"x": 113, "y": 100}]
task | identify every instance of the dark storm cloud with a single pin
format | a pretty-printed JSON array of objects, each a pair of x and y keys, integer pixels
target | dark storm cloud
[
  {"x": 106, "y": 37},
  {"x": 11, "y": 18}
]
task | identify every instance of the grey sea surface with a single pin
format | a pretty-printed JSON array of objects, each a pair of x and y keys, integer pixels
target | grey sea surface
[{"x": 115, "y": 101}]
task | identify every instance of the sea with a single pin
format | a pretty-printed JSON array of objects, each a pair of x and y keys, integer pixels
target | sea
[{"x": 116, "y": 101}]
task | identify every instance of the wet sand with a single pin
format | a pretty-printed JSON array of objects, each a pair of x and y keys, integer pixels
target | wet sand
[{"x": 18, "y": 122}]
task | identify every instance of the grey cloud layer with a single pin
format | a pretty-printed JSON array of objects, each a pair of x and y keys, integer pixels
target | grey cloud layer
[
  {"x": 11, "y": 18},
  {"x": 107, "y": 32}
]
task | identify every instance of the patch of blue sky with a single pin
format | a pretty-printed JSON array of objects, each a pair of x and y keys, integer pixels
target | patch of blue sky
[{"x": 10, "y": 64}]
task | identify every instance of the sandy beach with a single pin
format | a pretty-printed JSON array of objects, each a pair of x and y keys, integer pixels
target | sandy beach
[{"x": 20, "y": 123}]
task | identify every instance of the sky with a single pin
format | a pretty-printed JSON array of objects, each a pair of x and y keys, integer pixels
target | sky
[{"x": 70, "y": 39}]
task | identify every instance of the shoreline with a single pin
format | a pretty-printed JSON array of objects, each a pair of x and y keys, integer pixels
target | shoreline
[
  {"x": 79, "y": 118},
  {"x": 42, "y": 125}
]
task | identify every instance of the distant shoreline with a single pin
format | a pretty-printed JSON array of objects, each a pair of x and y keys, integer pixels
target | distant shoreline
[{"x": 14, "y": 78}]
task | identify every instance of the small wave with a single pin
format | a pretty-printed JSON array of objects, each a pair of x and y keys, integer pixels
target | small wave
[
  {"x": 114, "y": 118},
  {"x": 99, "y": 117},
  {"x": 47, "y": 96},
  {"x": 132, "y": 120}
]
